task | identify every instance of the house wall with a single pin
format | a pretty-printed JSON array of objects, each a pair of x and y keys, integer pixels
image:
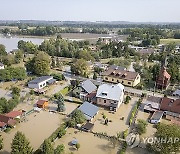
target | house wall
[
  {"x": 38, "y": 85},
  {"x": 124, "y": 82},
  {"x": 1, "y": 67},
  {"x": 101, "y": 102}
]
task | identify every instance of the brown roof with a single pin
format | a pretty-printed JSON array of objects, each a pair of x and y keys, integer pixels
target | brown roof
[
  {"x": 91, "y": 95},
  {"x": 163, "y": 74},
  {"x": 2, "y": 124},
  {"x": 13, "y": 114},
  {"x": 41, "y": 102},
  {"x": 171, "y": 105},
  {"x": 121, "y": 74},
  {"x": 7, "y": 120}
]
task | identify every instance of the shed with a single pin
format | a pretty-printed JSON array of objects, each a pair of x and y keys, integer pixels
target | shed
[
  {"x": 89, "y": 110},
  {"x": 87, "y": 127},
  {"x": 42, "y": 104}
]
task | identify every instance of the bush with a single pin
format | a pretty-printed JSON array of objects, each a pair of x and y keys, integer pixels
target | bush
[
  {"x": 128, "y": 98},
  {"x": 141, "y": 126},
  {"x": 125, "y": 133}
]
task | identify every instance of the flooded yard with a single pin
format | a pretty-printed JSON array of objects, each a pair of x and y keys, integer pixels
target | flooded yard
[
  {"x": 38, "y": 127},
  {"x": 117, "y": 125},
  {"x": 89, "y": 144}
]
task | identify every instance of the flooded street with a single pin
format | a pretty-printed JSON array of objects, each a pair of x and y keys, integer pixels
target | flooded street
[
  {"x": 38, "y": 127},
  {"x": 89, "y": 144}
]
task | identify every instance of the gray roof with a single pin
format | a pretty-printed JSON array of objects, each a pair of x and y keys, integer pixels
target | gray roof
[
  {"x": 88, "y": 86},
  {"x": 110, "y": 91},
  {"x": 40, "y": 79},
  {"x": 157, "y": 115},
  {"x": 115, "y": 67},
  {"x": 1, "y": 64},
  {"x": 177, "y": 92},
  {"x": 89, "y": 110}
]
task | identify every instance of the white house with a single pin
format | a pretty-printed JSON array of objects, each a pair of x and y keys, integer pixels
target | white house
[
  {"x": 1, "y": 66},
  {"x": 110, "y": 95},
  {"x": 41, "y": 82}
]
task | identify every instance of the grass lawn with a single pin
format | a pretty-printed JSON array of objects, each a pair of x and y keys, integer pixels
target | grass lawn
[
  {"x": 166, "y": 41},
  {"x": 64, "y": 91}
]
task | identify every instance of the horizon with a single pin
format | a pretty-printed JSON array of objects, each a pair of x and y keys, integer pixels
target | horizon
[{"x": 101, "y": 10}]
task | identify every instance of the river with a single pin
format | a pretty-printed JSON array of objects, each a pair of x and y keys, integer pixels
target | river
[{"x": 11, "y": 42}]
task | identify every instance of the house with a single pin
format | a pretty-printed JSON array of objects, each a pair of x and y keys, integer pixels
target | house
[
  {"x": 121, "y": 76},
  {"x": 88, "y": 90},
  {"x": 89, "y": 110},
  {"x": 1, "y": 66},
  {"x": 41, "y": 82},
  {"x": 7, "y": 121},
  {"x": 156, "y": 117},
  {"x": 171, "y": 105},
  {"x": 100, "y": 65},
  {"x": 110, "y": 96},
  {"x": 14, "y": 114},
  {"x": 42, "y": 104},
  {"x": 152, "y": 104},
  {"x": 163, "y": 79},
  {"x": 3, "y": 126}
]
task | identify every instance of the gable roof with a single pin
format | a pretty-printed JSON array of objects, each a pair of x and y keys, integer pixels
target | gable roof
[
  {"x": 13, "y": 114},
  {"x": 89, "y": 110},
  {"x": 110, "y": 91},
  {"x": 88, "y": 86},
  {"x": 171, "y": 105},
  {"x": 121, "y": 74},
  {"x": 41, "y": 102},
  {"x": 7, "y": 120},
  {"x": 40, "y": 79},
  {"x": 115, "y": 67}
]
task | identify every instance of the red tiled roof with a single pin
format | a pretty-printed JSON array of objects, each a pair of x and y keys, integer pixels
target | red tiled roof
[
  {"x": 13, "y": 114},
  {"x": 164, "y": 73},
  {"x": 2, "y": 124},
  {"x": 91, "y": 95},
  {"x": 12, "y": 122},
  {"x": 171, "y": 105},
  {"x": 41, "y": 102}
]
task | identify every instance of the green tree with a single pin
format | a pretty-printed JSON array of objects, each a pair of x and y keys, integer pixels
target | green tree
[
  {"x": 20, "y": 145},
  {"x": 77, "y": 146},
  {"x": 18, "y": 56},
  {"x": 47, "y": 147},
  {"x": 79, "y": 67},
  {"x": 16, "y": 91},
  {"x": 94, "y": 76},
  {"x": 60, "y": 103},
  {"x": 128, "y": 98},
  {"x": 141, "y": 126},
  {"x": 53, "y": 64},
  {"x": 2, "y": 50},
  {"x": 59, "y": 149},
  {"x": 167, "y": 132}
]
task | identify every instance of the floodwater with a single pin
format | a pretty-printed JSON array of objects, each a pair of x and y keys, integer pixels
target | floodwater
[
  {"x": 11, "y": 42},
  {"x": 38, "y": 127},
  {"x": 89, "y": 144}
]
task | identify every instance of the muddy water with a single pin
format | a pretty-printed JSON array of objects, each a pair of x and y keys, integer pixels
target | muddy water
[
  {"x": 89, "y": 144},
  {"x": 116, "y": 125},
  {"x": 38, "y": 127}
]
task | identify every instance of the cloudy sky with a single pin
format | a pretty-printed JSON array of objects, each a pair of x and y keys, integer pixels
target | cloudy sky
[{"x": 91, "y": 10}]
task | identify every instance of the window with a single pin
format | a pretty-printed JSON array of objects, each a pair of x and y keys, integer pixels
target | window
[
  {"x": 117, "y": 81},
  {"x": 106, "y": 78},
  {"x": 104, "y": 101},
  {"x": 112, "y": 79},
  {"x": 41, "y": 85},
  {"x": 122, "y": 81},
  {"x": 129, "y": 82},
  {"x": 44, "y": 84}
]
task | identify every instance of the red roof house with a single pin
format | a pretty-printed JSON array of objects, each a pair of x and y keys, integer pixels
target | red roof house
[
  {"x": 171, "y": 105},
  {"x": 163, "y": 79},
  {"x": 7, "y": 120},
  {"x": 14, "y": 114}
]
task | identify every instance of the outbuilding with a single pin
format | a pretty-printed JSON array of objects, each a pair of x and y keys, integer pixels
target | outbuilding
[{"x": 42, "y": 104}]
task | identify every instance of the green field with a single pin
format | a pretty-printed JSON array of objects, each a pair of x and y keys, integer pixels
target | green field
[{"x": 166, "y": 41}]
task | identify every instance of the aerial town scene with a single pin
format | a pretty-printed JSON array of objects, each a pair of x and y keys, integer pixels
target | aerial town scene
[{"x": 90, "y": 77}]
